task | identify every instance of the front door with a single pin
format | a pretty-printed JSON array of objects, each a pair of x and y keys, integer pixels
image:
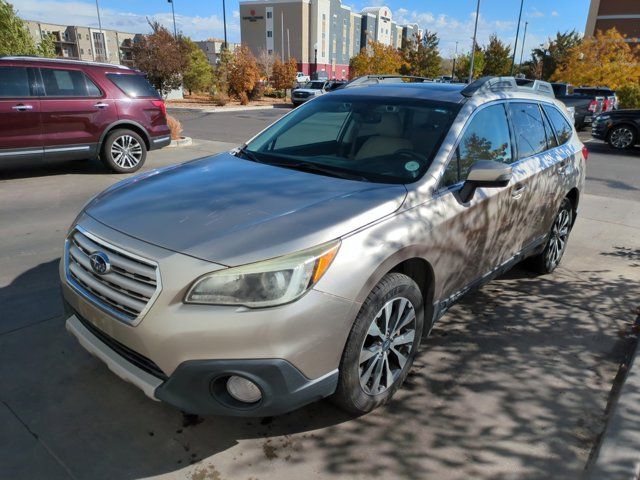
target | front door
[
  {"x": 75, "y": 112},
  {"x": 20, "y": 123},
  {"x": 474, "y": 238}
]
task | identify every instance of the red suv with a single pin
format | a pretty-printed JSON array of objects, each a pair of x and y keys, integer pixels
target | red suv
[{"x": 66, "y": 110}]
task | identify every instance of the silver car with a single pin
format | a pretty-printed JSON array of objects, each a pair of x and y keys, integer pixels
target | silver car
[{"x": 312, "y": 261}]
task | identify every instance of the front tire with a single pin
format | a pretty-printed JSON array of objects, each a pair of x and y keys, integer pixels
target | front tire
[
  {"x": 549, "y": 258},
  {"x": 123, "y": 151},
  {"x": 622, "y": 137},
  {"x": 381, "y": 346}
]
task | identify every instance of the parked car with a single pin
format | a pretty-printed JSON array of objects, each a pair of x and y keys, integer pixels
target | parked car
[
  {"x": 301, "y": 78},
  {"x": 335, "y": 84},
  {"x": 320, "y": 75},
  {"x": 620, "y": 128},
  {"x": 312, "y": 261},
  {"x": 311, "y": 90},
  {"x": 586, "y": 102},
  {"x": 64, "y": 110}
]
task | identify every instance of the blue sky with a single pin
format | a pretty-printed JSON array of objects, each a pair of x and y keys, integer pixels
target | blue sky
[{"x": 451, "y": 19}]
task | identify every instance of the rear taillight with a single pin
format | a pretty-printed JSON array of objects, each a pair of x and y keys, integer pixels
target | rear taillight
[
  {"x": 160, "y": 104},
  {"x": 605, "y": 105},
  {"x": 593, "y": 106},
  {"x": 585, "y": 153}
]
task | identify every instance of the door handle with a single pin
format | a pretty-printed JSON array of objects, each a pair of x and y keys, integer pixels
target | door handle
[
  {"x": 518, "y": 190},
  {"x": 101, "y": 105},
  {"x": 21, "y": 107}
]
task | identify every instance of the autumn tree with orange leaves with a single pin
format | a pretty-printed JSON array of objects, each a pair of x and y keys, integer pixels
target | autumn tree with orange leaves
[
  {"x": 605, "y": 59},
  {"x": 376, "y": 59}
]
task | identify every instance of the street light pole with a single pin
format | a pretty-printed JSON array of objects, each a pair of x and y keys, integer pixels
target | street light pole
[
  {"x": 225, "y": 45},
  {"x": 473, "y": 46},
  {"x": 515, "y": 47},
  {"x": 173, "y": 13},
  {"x": 524, "y": 37}
]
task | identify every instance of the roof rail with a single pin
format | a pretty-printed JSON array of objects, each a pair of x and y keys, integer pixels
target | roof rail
[
  {"x": 375, "y": 79},
  {"x": 63, "y": 60},
  {"x": 497, "y": 84}
]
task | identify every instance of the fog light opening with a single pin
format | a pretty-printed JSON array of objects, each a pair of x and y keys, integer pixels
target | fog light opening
[{"x": 243, "y": 390}]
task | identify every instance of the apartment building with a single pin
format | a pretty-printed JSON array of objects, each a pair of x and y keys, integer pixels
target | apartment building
[
  {"x": 624, "y": 15},
  {"x": 322, "y": 35},
  {"x": 86, "y": 43},
  {"x": 213, "y": 47}
]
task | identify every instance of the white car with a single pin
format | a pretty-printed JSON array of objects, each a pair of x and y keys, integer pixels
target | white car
[
  {"x": 310, "y": 90},
  {"x": 301, "y": 78}
]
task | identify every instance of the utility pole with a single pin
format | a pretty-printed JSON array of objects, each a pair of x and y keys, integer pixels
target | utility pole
[
  {"x": 175, "y": 31},
  {"x": 453, "y": 67},
  {"x": 524, "y": 37},
  {"x": 515, "y": 47},
  {"x": 473, "y": 46},
  {"x": 225, "y": 45}
]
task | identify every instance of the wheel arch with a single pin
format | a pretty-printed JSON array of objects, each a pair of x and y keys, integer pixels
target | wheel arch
[
  {"x": 574, "y": 197},
  {"x": 126, "y": 124},
  {"x": 624, "y": 123}
]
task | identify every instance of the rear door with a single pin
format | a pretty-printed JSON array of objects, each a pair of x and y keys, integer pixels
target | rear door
[
  {"x": 75, "y": 112},
  {"x": 20, "y": 122}
]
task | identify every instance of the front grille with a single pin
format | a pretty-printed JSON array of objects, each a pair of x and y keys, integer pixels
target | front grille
[
  {"x": 126, "y": 291},
  {"x": 135, "y": 358}
]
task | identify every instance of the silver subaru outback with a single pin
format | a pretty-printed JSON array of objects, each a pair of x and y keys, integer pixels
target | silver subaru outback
[{"x": 311, "y": 261}]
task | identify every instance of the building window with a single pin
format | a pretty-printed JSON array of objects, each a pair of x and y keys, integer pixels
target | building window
[
  {"x": 269, "y": 34},
  {"x": 269, "y": 14},
  {"x": 82, "y": 52},
  {"x": 271, "y": 51}
]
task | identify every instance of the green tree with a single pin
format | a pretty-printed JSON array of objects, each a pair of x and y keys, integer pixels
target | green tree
[
  {"x": 629, "y": 96},
  {"x": 546, "y": 61},
  {"x": 422, "y": 58},
  {"x": 462, "y": 65},
  {"x": 162, "y": 57},
  {"x": 497, "y": 57},
  {"x": 198, "y": 75},
  {"x": 15, "y": 38}
]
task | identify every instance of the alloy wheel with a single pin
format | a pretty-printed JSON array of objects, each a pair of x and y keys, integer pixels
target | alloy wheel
[
  {"x": 387, "y": 346},
  {"x": 558, "y": 238},
  {"x": 621, "y": 137},
  {"x": 126, "y": 151}
]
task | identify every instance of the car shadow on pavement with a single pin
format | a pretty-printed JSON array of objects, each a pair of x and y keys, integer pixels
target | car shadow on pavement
[
  {"x": 34, "y": 170},
  {"x": 512, "y": 383}
]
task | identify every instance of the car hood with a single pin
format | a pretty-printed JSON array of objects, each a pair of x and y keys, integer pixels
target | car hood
[
  {"x": 233, "y": 211},
  {"x": 306, "y": 90}
]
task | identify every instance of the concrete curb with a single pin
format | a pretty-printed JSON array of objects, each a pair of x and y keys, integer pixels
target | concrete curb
[
  {"x": 618, "y": 455},
  {"x": 183, "y": 142},
  {"x": 223, "y": 109}
]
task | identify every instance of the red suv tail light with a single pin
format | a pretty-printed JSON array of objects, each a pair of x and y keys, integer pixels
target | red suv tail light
[
  {"x": 593, "y": 106},
  {"x": 585, "y": 153},
  {"x": 160, "y": 104}
]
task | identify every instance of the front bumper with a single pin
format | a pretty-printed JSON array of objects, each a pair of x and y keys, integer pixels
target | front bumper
[
  {"x": 600, "y": 128},
  {"x": 198, "y": 386}
]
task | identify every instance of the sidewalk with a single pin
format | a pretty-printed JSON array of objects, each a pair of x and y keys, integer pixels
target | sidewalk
[{"x": 213, "y": 109}]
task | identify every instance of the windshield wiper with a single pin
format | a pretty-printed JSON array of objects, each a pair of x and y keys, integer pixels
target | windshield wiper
[
  {"x": 315, "y": 168},
  {"x": 248, "y": 154}
]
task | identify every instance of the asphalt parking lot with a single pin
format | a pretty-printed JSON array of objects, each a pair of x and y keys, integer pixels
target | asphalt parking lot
[{"x": 513, "y": 383}]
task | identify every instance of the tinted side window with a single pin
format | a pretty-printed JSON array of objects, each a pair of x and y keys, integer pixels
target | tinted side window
[
  {"x": 14, "y": 82},
  {"x": 135, "y": 86},
  {"x": 529, "y": 128},
  {"x": 67, "y": 83},
  {"x": 486, "y": 138},
  {"x": 548, "y": 130},
  {"x": 560, "y": 124}
]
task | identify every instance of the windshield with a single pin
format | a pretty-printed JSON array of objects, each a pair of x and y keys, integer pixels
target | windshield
[
  {"x": 385, "y": 140},
  {"x": 314, "y": 85}
]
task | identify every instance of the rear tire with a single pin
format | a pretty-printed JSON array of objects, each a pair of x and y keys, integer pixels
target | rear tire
[
  {"x": 622, "y": 137},
  {"x": 547, "y": 260},
  {"x": 123, "y": 151},
  {"x": 381, "y": 346}
]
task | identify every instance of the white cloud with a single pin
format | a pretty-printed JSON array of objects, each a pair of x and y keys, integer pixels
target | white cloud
[
  {"x": 535, "y": 13},
  {"x": 83, "y": 13},
  {"x": 554, "y": 13}
]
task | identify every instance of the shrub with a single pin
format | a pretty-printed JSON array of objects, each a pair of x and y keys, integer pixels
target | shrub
[
  {"x": 244, "y": 98},
  {"x": 257, "y": 92},
  {"x": 629, "y": 96},
  {"x": 220, "y": 99},
  {"x": 175, "y": 126}
]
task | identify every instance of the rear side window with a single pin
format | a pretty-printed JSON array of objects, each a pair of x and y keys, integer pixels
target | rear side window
[
  {"x": 560, "y": 124},
  {"x": 134, "y": 86},
  {"x": 67, "y": 83},
  {"x": 14, "y": 82},
  {"x": 486, "y": 138},
  {"x": 529, "y": 129}
]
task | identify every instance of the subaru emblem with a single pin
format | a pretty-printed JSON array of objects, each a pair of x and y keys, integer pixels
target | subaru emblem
[{"x": 100, "y": 263}]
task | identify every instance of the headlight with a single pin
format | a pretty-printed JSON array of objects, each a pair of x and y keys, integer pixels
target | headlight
[
  {"x": 603, "y": 117},
  {"x": 265, "y": 284}
]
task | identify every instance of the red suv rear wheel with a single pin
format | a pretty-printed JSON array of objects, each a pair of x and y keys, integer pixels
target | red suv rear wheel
[{"x": 123, "y": 151}]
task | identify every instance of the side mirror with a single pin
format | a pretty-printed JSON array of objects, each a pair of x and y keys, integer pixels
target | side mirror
[{"x": 485, "y": 173}]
